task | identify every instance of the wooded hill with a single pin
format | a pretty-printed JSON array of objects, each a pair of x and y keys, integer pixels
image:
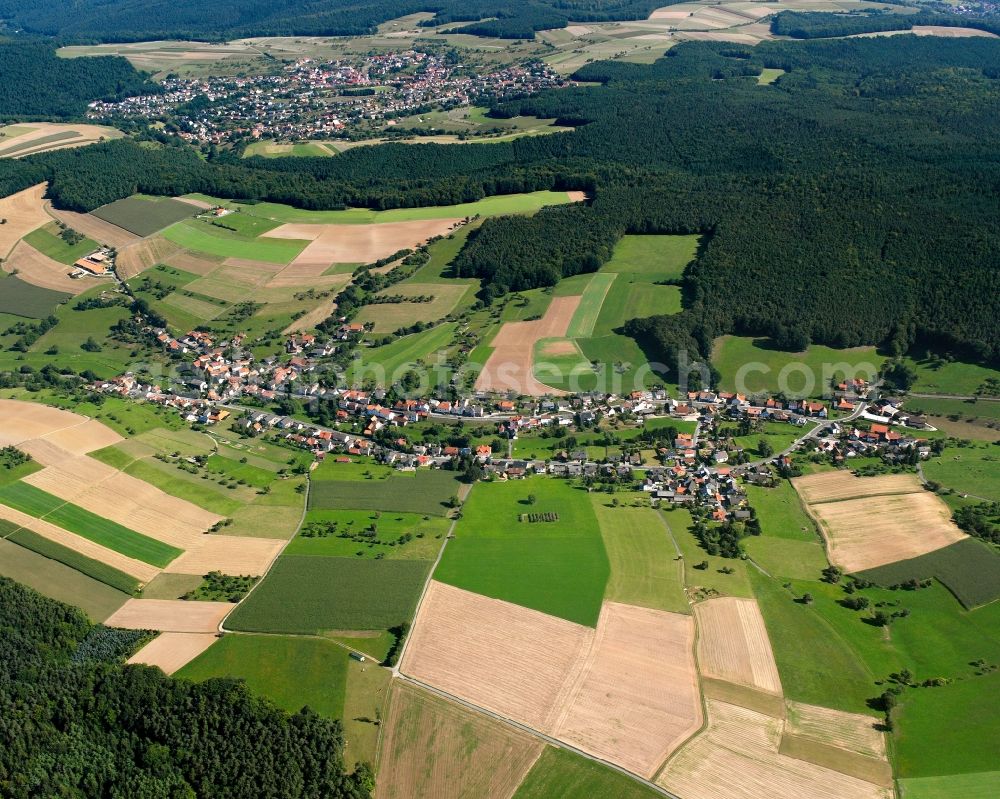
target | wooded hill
[
  {"x": 854, "y": 200},
  {"x": 824, "y": 24},
  {"x": 74, "y": 722}
]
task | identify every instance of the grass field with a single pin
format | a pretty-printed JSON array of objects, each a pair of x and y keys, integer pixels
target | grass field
[
  {"x": 40, "y": 504},
  {"x": 308, "y": 149},
  {"x": 981, "y": 785},
  {"x": 427, "y": 534},
  {"x": 985, "y": 409},
  {"x": 48, "y": 242},
  {"x": 303, "y": 594},
  {"x": 678, "y": 521},
  {"x": 973, "y": 470},
  {"x": 203, "y": 237},
  {"x": 59, "y": 582},
  {"x": 645, "y": 570},
  {"x": 291, "y": 672},
  {"x": 559, "y": 568},
  {"x": 939, "y": 377},
  {"x": 144, "y": 215},
  {"x": 388, "y": 363},
  {"x": 171, "y": 586},
  {"x": 805, "y": 373},
  {"x": 560, "y": 774},
  {"x": 88, "y": 566},
  {"x": 781, "y": 513},
  {"x": 769, "y": 75},
  {"x": 23, "y": 299},
  {"x": 969, "y": 569},
  {"x": 424, "y": 492}
]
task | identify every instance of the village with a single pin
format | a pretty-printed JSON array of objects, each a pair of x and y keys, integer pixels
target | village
[{"x": 311, "y": 99}]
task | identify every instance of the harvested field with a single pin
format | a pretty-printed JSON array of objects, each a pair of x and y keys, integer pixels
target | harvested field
[
  {"x": 388, "y": 317},
  {"x": 737, "y": 757},
  {"x": 873, "y": 531},
  {"x": 310, "y": 319},
  {"x": 97, "y": 229},
  {"x": 359, "y": 244},
  {"x": 24, "y": 212},
  {"x": 733, "y": 645},
  {"x": 189, "y": 262},
  {"x": 851, "y": 732},
  {"x": 510, "y": 365},
  {"x": 45, "y": 136},
  {"x": 838, "y": 485},
  {"x": 505, "y": 658},
  {"x": 80, "y": 439},
  {"x": 637, "y": 699},
  {"x": 39, "y": 270},
  {"x": 229, "y": 555},
  {"x": 201, "y": 204},
  {"x": 435, "y": 748},
  {"x": 172, "y": 651},
  {"x": 143, "y": 572},
  {"x": 170, "y": 615},
  {"x": 308, "y": 275},
  {"x": 22, "y": 421},
  {"x": 142, "y": 255}
]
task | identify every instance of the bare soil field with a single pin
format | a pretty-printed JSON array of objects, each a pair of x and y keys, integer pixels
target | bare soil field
[
  {"x": 47, "y": 136},
  {"x": 359, "y": 244},
  {"x": 173, "y": 651},
  {"x": 509, "y": 367},
  {"x": 873, "y": 531},
  {"x": 637, "y": 699},
  {"x": 142, "y": 255},
  {"x": 22, "y": 421},
  {"x": 737, "y": 757},
  {"x": 24, "y": 212},
  {"x": 141, "y": 571},
  {"x": 733, "y": 645},
  {"x": 97, "y": 229},
  {"x": 170, "y": 615},
  {"x": 435, "y": 748},
  {"x": 40, "y": 270},
  {"x": 505, "y": 658},
  {"x": 229, "y": 555},
  {"x": 838, "y": 485}
]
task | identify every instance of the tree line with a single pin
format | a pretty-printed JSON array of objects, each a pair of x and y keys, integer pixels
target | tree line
[{"x": 824, "y": 24}]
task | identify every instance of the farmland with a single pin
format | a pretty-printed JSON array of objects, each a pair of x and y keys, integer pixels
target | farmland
[
  {"x": 17, "y": 141},
  {"x": 560, "y": 774},
  {"x": 309, "y": 595},
  {"x": 23, "y": 299},
  {"x": 370, "y": 534},
  {"x": 424, "y": 492},
  {"x": 48, "y": 242},
  {"x": 88, "y": 566},
  {"x": 973, "y": 470},
  {"x": 558, "y": 567},
  {"x": 143, "y": 215}
]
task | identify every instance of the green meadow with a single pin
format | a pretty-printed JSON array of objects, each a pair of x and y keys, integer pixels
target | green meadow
[
  {"x": 560, "y": 774},
  {"x": 48, "y": 242},
  {"x": 201, "y": 236}
]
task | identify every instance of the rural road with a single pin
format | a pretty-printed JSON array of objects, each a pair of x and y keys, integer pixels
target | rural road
[{"x": 814, "y": 433}]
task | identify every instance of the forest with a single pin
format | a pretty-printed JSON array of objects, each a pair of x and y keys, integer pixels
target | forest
[
  {"x": 75, "y": 722},
  {"x": 39, "y": 85},
  {"x": 138, "y": 20},
  {"x": 824, "y": 24},
  {"x": 853, "y": 200}
]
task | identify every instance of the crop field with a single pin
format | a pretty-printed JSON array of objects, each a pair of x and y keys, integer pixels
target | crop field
[
  {"x": 38, "y": 269},
  {"x": 969, "y": 569},
  {"x": 351, "y": 538},
  {"x": 752, "y": 365},
  {"x": 308, "y": 149},
  {"x": 17, "y": 141},
  {"x": 981, "y": 785},
  {"x": 35, "y": 502},
  {"x": 24, "y": 211},
  {"x": 425, "y": 492},
  {"x": 303, "y": 594},
  {"x": 170, "y": 615},
  {"x": 23, "y": 299},
  {"x": 171, "y": 651},
  {"x": 389, "y": 362},
  {"x": 733, "y": 644},
  {"x": 440, "y": 749},
  {"x": 561, "y": 774},
  {"x": 291, "y": 672},
  {"x": 644, "y": 569},
  {"x": 388, "y": 317},
  {"x": 559, "y": 568},
  {"x": 585, "y": 318},
  {"x": 48, "y": 242},
  {"x": 143, "y": 215},
  {"x": 839, "y": 485},
  {"x": 88, "y": 566}
]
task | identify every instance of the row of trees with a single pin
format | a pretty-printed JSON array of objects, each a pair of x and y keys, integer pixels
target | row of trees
[{"x": 822, "y": 24}]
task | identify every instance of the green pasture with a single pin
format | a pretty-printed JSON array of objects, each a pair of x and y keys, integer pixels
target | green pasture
[
  {"x": 426, "y": 532},
  {"x": 558, "y": 567},
  {"x": 68, "y": 557},
  {"x": 979, "y": 785},
  {"x": 937, "y": 376},
  {"x": 203, "y": 237},
  {"x": 561, "y": 774},
  {"x": 389, "y": 362},
  {"x": 973, "y": 470},
  {"x": 712, "y": 578},
  {"x": 48, "y": 242}
]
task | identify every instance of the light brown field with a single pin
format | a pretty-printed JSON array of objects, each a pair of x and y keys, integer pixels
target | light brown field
[
  {"x": 97, "y": 229},
  {"x": 22, "y": 421},
  {"x": 391, "y": 316},
  {"x": 872, "y": 531},
  {"x": 434, "y": 748},
  {"x": 38, "y": 269},
  {"x": 733, "y": 644},
  {"x": 196, "y": 264},
  {"x": 15, "y": 146},
  {"x": 141, "y": 571},
  {"x": 311, "y": 318},
  {"x": 737, "y": 757},
  {"x": 142, "y": 255},
  {"x": 82, "y": 438},
  {"x": 308, "y": 275},
  {"x": 637, "y": 698},
  {"x": 837, "y": 485},
  {"x": 170, "y": 615},
  {"x": 943, "y": 30},
  {"x": 204, "y": 206},
  {"x": 359, "y": 244},
  {"x": 577, "y": 196},
  {"x": 505, "y": 658},
  {"x": 509, "y": 367},
  {"x": 24, "y": 212},
  {"x": 229, "y": 555},
  {"x": 173, "y": 651},
  {"x": 560, "y": 346}
]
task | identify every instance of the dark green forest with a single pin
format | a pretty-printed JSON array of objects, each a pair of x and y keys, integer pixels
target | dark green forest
[
  {"x": 138, "y": 20},
  {"x": 75, "y": 722},
  {"x": 855, "y": 198},
  {"x": 824, "y": 24},
  {"x": 35, "y": 83}
]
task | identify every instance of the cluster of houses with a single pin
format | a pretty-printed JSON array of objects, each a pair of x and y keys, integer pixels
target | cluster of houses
[
  {"x": 683, "y": 485},
  {"x": 99, "y": 263},
  {"x": 314, "y": 99}
]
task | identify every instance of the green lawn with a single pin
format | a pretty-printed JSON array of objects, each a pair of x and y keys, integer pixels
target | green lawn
[
  {"x": 807, "y": 373},
  {"x": 560, "y": 774},
  {"x": 645, "y": 570},
  {"x": 784, "y": 557},
  {"x": 204, "y": 237},
  {"x": 291, "y": 672},
  {"x": 309, "y": 595},
  {"x": 781, "y": 513},
  {"x": 981, "y": 785},
  {"x": 144, "y": 215},
  {"x": 40, "y": 504},
  {"x": 424, "y": 492},
  {"x": 48, "y": 242},
  {"x": 558, "y": 567}
]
